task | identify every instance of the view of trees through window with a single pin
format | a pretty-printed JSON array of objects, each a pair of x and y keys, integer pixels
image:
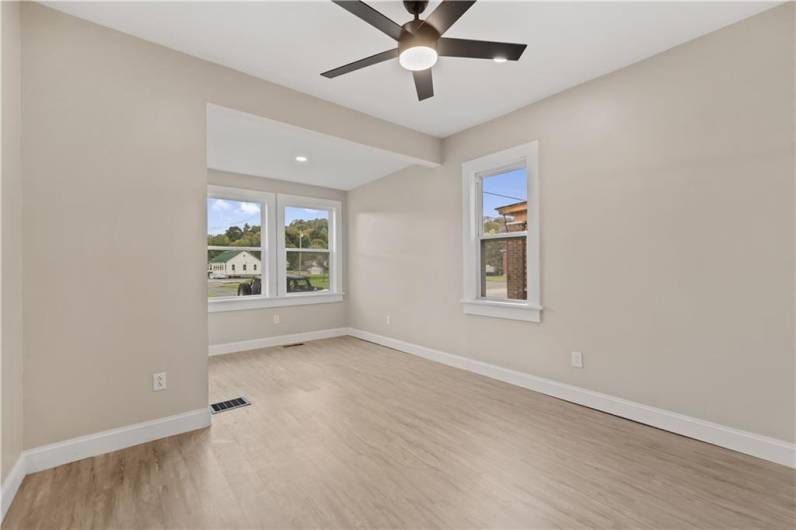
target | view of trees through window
[
  {"x": 235, "y": 236},
  {"x": 307, "y": 249},
  {"x": 234, "y": 251}
]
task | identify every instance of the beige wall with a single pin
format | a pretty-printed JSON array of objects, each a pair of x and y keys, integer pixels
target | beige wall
[
  {"x": 667, "y": 209},
  {"x": 234, "y": 326},
  {"x": 115, "y": 183},
  {"x": 11, "y": 208}
]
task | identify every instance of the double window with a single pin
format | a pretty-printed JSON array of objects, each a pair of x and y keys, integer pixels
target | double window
[
  {"x": 501, "y": 235},
  {"x": 266, "y": 249}
]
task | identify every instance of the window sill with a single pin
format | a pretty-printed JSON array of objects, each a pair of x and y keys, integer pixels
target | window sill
[
  {"x": 261, "y": 302},
  {"x": 509, "y": 310}
]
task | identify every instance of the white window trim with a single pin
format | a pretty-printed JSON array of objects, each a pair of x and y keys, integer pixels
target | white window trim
[
  {"x": 273, "y": 252},
  {"x": 526, "y": 155},
  {"x": 242, "y": 303}
]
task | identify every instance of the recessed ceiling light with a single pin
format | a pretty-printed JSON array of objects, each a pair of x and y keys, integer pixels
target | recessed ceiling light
[
  {"x": 500, "y": 59},
  {"x": 301, "y": 158}
]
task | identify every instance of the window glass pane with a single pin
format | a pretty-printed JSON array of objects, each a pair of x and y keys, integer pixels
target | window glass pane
[
  {"x": 503, "y": 273},
  {"x": 233, "y": 223},
  {"x": 307, "y": 271},
  {"x": 233, "y": 272},
  {"x": 306, "y": 228},
  {"x": 505, "y": 202}
]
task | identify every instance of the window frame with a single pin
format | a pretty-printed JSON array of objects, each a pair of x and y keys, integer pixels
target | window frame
[
  {"x": 273, "y": 252},
  {"x": 473, "y": 173},
  {"x": 334, "y": 247}
]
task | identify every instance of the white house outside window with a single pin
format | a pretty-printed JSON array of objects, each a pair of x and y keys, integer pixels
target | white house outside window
[{"x": 501, "y": 234}]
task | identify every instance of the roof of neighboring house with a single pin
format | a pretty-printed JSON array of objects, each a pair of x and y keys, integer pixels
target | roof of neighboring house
[
  {"x": 516, "y": 207},
  {"x": 225, "y": 256}
]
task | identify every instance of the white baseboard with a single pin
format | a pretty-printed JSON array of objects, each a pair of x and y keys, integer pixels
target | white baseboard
[
  {"x": 11, "y": 484},
  {"x": 764, "y": 447},
  {"x": 280, "y": 340},
  {"x": 56, "y": 454}
]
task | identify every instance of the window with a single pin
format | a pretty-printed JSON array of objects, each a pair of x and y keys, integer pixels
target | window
[
  {"x": 310, "y": 236},
  {"x": 234, "y": 239},
  {"x": 501, "y": 235},
  {"x": 252, "y": 264},
  {"x": 307, "y": 249}
]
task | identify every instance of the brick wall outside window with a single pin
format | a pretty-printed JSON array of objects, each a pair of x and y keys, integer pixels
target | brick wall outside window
[{"x": 514, "y": 264}]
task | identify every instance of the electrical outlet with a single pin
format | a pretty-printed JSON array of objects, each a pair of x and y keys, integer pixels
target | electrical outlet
[
  {"x": 276, "y": 319},
  {"x": 388, "y": 320},
  {"x": 577, "y": 359},
  {"x": 159, "y": 381}
]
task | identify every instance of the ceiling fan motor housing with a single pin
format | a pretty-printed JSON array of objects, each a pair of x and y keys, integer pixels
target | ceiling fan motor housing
[
  {"x": 417, "y": 33},
  {"x": 415, "y": 7}
]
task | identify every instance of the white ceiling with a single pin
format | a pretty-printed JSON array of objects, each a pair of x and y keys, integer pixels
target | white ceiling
[
  {"x": 291, "y": 43},
  {"x": 252, "y": 145}
]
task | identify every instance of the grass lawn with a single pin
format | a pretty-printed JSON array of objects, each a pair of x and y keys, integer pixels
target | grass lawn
[
  {"x": 320, "y": 281},
  {"x": 496, "y": 278}
]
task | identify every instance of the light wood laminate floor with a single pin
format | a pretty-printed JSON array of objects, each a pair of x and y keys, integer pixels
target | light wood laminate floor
[{"x": 348, "y": 434}]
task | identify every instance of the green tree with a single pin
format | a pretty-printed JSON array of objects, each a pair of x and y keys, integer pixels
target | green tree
[
  {"x": 307, "y": 233},
  {"x": 249, "y": 238},
  {"x": 234, "y": 233},
  {"x": 218, "y": 240},
  {"x": 494, "y": 225},
  {"x": 492, "y": 254},
  {"x": 234, "y": 236}
]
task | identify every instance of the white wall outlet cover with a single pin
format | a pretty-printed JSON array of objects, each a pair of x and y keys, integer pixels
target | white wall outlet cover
[
  {"x": 388, "y": 320},
  {"x": 158, "y": 381},
  {"x": 276, "y": 319},
  {"x": 577, "y": 359}
]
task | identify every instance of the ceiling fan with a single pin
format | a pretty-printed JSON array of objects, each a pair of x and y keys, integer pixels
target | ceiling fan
[{"x": 420, "y": 42}]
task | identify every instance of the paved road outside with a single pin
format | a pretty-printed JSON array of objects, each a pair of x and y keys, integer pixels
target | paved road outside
[{"x": 228, "y": 287}]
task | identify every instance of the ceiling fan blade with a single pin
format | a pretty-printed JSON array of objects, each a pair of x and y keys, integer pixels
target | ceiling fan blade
[
  {"x": 479, "y": 49},
  {"x": 371, "y": 16},
  {"x": 362, "y": 63},
  {"x": 447, "y": 13},
  {"x": 424, "y": 84}
]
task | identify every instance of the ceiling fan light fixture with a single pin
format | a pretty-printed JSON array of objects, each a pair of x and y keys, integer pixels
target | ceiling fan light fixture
[
  {"x": 421, "y": 41},
  {"x": 418, "y": 58}
]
